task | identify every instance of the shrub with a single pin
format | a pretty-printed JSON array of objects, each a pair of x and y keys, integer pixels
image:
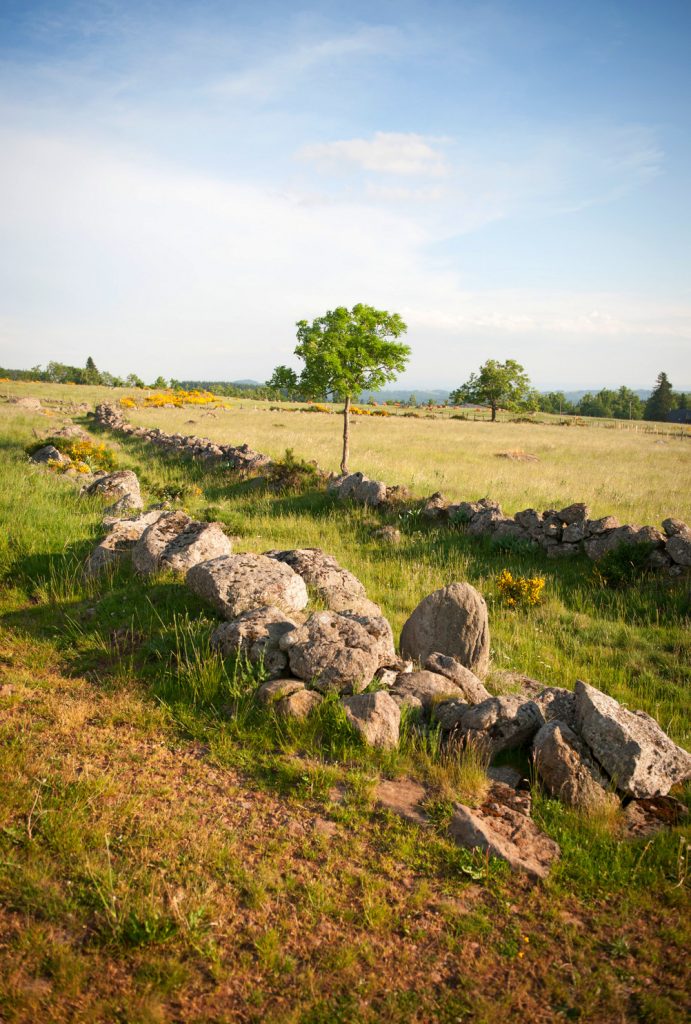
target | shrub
[
  {"x": 623, "y": 566},
  {"x": 520, "y": 590},
  {"x": 293, "y": 474},
  {"x": 84, "y": 454}
]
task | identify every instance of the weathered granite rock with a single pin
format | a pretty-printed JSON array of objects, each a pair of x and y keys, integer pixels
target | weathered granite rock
[
  {"x": 602, "y": 543},
  {"x": 679, "y": 547},
  {"x": 238, "y": 583},
  {"x": 360, "y": 489},
  {"x": 451, "y": 621},
  {"x": 298, "y": 704},
  {"x": 576, "y": 513},
  {"x": 643, "y": 818},
  {"x": 255, "y": 635},
  {"x": 505, "y": 831},
  {"x": 436, "y": 508},
  {"x": 336, "y": 586},
  {"x": 472, "y": 690},
  {"x": 122, "y": 488},
  {"x": 485, "y": 522},
  {"x": 276, "y": 689},
  {"x": 376, "y": 716},
  {"x": 338, "y": 652},
  {"x": 502, "y": 723},
  {"x": 597, "y": 526},
  {"x": 630, "y": 746},
  {"x": 403, "y": 797},
  {"x": 531, "y": 520},
  {"x": 556, "y": 702},
  {"x": 563, "y": 550},
  {"x": 574, "y": 533},
  {"x": 423, "y": 689},
  {"x": 49, "y": 453},
  {"x": 120, "y": 541},
  {"x": 448, "y": 714},
  {"x": 566, "y": 769},
  {"x": 177, "y": 542},
  {"x": 672, "y": 526},
  {"x": 27, "y": 402}
]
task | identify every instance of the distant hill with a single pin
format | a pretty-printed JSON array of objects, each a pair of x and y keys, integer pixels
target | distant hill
[{"x": 422, "y": 395}]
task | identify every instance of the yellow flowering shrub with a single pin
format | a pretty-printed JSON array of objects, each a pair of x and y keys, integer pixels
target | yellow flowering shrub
[
  {"x": 176, "y": 399},
  {"x": 128, "y": 403},
  {"x": 520, "y": 590}
]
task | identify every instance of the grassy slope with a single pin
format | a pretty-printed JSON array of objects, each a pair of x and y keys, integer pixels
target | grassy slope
[{"x": 161, "y": 861}]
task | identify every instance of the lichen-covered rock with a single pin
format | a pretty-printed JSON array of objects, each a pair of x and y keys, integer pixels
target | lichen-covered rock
[
  {"x": 122, "y": 488},
  {"x": 448, "y": 714},
  {"x": 339, "y": 652},
  {"x": 298, "y": 704},
  {"x": 556, "y": 702},
  {"x": 120, "y": 541},
  {"x": 376, "y": 716},
  {"x": 276, "y": 689},
  {"x": 237, "y": 583},
  {"x": 436, "y": 508},
  {"x": 679, "y": 547},
  {"x": 388, "y": 535},
  {"x": 502, "y": 723},
  {"x": 423, "y": 689},
  {"x": 27, "y": 402},
  {"x": 451, "y": 621},
  {"x": 630, "y": 746},
  {"x": 177, "y": 542},
  {"x": 576, "y": 513},
  {"x": 566, "y": 769},
  {"x": 49, "y": 453},
  {"x": 601, "y": 544},
  {"x": 574, "y": 533},
  {"x": 340, "y": 590},
  {"x": 672, "y": 526},
  {"x": 595, "y": 527},
  {"x": 255, "y": 635},
  {"x": 472, "y": 690}
]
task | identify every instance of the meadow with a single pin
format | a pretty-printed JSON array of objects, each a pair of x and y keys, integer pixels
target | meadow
[{"x": 162, "y": 859}]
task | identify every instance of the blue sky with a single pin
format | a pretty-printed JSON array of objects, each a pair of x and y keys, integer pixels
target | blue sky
[{"x": 181, "y": 182}]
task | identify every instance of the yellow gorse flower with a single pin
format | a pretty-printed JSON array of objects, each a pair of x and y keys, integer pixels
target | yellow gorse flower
[{"x": 515, "y": 590}]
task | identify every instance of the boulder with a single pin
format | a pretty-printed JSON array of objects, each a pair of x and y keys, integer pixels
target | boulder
[
  {"x": 595, "y": 527},
  {"x": 502, "y": 723},
  {"x": 448, "y": 714},
  {"x": 451, "y": 621},
  {"x": 238, "y": 583},
  {"x": 339, "y": 652},
  {"x": 472, "y": 690},
  {"x": 576, "y": 513},
  {"x": 376, "y": 716},
  {"x": 403, "y": 797},
  {"x": 337, "y": 588},
  {"x": 599, "y": 545},
  {"x": 370, "y": 492},
  {"x": 574, "y": 533},
  {"x": 531, "y": 521},
  {"x": 643, "y": 818},
  {"x": 485, "y": 522},
  {"x": 120, "y": 541},
  {"x": 501, "y": 827},
  {"x": 436, "y": 508},
  {"x": 177, "y": 542},
  {"x": 49, "y": 453},
  {"x": 275, "y": 690},
  {"x": 556, "y": 702},
  {"x": 674, "y": 526},
  {"x": 630, "y": 746},
  {"x": 423, "y": 689},
  {"x": 566, "y": 769},
  {"x": 679, "y": 547},
  {"x": 122, "y": 488},
  {"x": 27, "y": 403},
  {"x": 552, "y": 526},
  {"x": 255, "y": 635},
  {"x": 298, "y": 704}
]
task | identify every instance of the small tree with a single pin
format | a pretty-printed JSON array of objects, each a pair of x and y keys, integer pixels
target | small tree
[
  {"x": 347, "y": 351},
  {"x": 285, "y": 382},
  {"x": 661, "y": 401},
  {"x": 504, "y": 385},
  {"x": 160, "y": 384}
]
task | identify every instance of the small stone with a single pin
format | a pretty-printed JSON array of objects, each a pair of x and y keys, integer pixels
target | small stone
[
  {"x": 468, "y": 683},
  {"x": 298, "y": 704},
  {"x": 276, "y": 689}
]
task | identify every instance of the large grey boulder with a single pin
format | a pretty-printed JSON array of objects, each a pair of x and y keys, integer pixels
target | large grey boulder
[
  {"x": 120, "y": 541},
  {"x": 177, "y": 542},
  {"x": 122, "y": 488},
  {"x": 568, "y": 772},
  {"x": 451, "y": 621},
  {"x": 679, "y": 547},
  {"x": 423, "y": 689},
  {"x": 376, "y": 717},
  {"x": 236, "y": 583},
  {"x": 472, "y": 690},
  {"x": 256, "y": 635},
  {"x": 576, "y": 513},
  {"x": 630, "y": 746},
  {"x": 336, "y": 586},
  {"x": 602, "y": 543},
  {"x": 501, "y": 827},
  {"x": 672, "y": 526},
  {"x": 360, "y": 489},
  {"x": 339, "y": 651},
  {"x": 502, "y": 723}
]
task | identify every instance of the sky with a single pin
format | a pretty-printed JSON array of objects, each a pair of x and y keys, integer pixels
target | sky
[{"x": 180, "y": 182}]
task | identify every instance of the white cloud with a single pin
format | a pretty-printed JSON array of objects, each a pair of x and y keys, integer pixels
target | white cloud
[{"x": 398, "y": 153}]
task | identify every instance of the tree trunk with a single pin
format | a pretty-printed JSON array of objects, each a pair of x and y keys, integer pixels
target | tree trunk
[
  {"x": 346, "y": 435},
  {"x": 494, "y": 413}
]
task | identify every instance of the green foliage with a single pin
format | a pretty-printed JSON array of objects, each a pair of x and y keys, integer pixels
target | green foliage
[
  {"x": 624, "y": 566},
  {"x": 497, "y": 385},
  {"x": 661, "y": 401},
  {"x": 284, "y": 382},
  {"x": 291, "y": 474}
]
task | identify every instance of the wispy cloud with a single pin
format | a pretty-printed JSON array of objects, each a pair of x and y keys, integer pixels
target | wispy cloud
[{"x": 398, "y": 153}]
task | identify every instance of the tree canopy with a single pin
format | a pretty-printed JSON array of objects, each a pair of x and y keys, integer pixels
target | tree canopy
[
  {"x": 498, "y": 385},
  {"x": 661, "y": 401}
]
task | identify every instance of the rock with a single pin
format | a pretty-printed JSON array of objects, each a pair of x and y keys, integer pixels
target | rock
[
  {"x": 452, "y": 621},
  {"x": 339, "y": 652},
  {"x": 679, "y": 548},
  {"x": 472, "y": 690},
  {"x": 448, "y": 714},
  {"x": 27, "y": 403},
  {"x": 531, "y": 520},
  {"x": 436, "y": 508},
  {"x": 643, "y": 818},
  {"x": 630, "y": 746},
  {"x": 574, "y": 533},
  {"x": 599, "y": 545},
  {"x": 119, "y": 542},
  {"x": 552, "y": 526},
  {"x": 177, "y": 542},
  {"x": 388, "y": 535},
  {"x": 566, "y": 769},
  {"x": 505, "y": 682},
  {"x": 376, "y": 716},
  {"x": 505, "y": 831},
  {"x": 465, "y": 511},
  {"x": 255, "y": 635},
  {"x": 370, "y": 492},
  {"x": 485, "y": 522},
  {"x": 563, "y": 550},
  {"x": 276, "y": 689},
  {"x": 121, "y": 487},
  {"x": 403, "y": 797},
  {"x": 650, "y": 535},
  {"x": 673, "y": 526},
  {"x": 576, "y": 513},
  {"x": 238, "y": 583},
  {"x": 658, "y": 560},
  {"x": 556, "y": 702},
  {"x": 595, "y": 527},
  {"x": 507, "y": 775},
  {"x": 298, "y": 704},
  {"x": 502, "y": 723},
  {"x": 386, "y": 677},
  {"x": 338, "y": 588},
  {"x": 49, "y": 453},
  {"x": 423, "y": 689}
]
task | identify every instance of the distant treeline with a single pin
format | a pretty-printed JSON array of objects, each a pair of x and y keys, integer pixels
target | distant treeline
[{"x": 623, "y": 404}]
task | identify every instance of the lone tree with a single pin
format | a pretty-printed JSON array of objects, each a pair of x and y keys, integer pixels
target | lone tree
[
  {"x": 285, "y": 382},
  {"x": 347, "y": 351},
  {"x": 504, "y": 385},
  {"x": 661, "y": 401}
]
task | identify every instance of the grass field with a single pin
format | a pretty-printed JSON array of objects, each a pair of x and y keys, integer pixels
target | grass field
[{"x": 162, "y": 861}]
